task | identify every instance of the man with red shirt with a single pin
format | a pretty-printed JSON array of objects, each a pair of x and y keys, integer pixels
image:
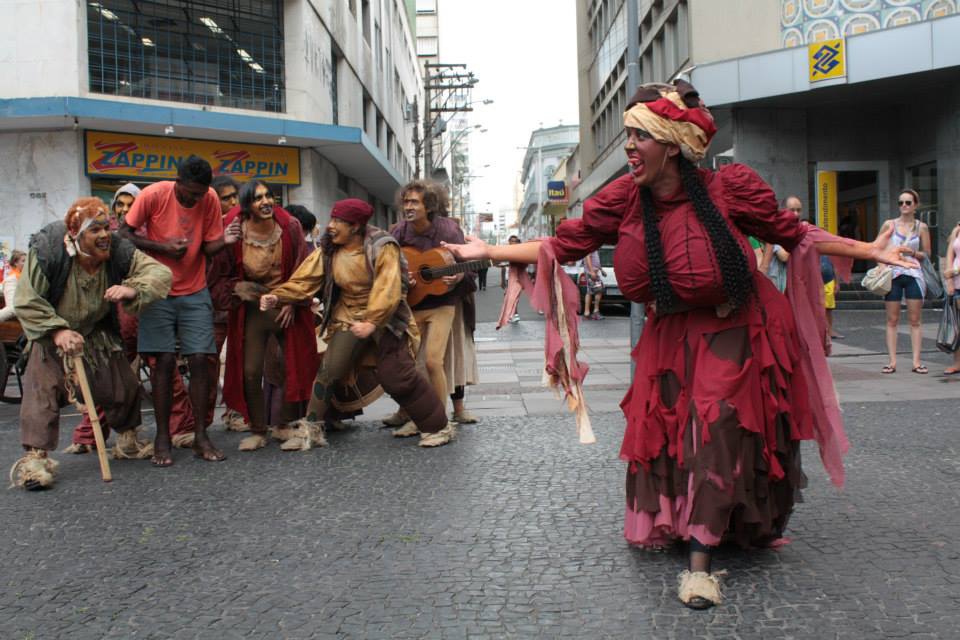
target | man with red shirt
[{"x": 183, "y": 226}]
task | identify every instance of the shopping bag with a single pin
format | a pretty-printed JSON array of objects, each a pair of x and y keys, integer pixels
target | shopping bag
[
  {"x": 932, "y": 279},
  {"x": 948, "y": 335}
]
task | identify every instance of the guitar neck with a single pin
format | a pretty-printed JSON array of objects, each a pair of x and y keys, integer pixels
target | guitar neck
[{"x": 460, "y": 267}]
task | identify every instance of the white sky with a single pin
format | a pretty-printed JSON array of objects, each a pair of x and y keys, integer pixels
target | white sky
[{"x": 524, "y": 53}]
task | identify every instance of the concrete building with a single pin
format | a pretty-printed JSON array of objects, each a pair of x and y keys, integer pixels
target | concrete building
[
  {"x": 889, "y": 120},
  {"x": 546, "y": 150},
  {"x": 427, "y": 32},
  {"x": 313, "y": 97}
]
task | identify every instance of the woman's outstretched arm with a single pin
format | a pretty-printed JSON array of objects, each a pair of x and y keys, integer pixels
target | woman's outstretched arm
[{"x": 477, "y": 249}]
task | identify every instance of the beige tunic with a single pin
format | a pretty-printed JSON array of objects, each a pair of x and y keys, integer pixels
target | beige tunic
[{"x": 362, "y": 298}]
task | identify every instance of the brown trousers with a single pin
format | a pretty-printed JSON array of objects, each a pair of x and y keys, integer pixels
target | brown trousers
[
  {"x": 115, "y": 390},
  {"x": 395, "y": 370},
  {"x": 257, "y": 329}
]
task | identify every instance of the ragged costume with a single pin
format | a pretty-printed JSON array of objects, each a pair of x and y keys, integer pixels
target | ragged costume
[
  {"x": 364, "y": 285},
  {"x": 721, "y": 397},
  {"x": 55, "y": 293}
]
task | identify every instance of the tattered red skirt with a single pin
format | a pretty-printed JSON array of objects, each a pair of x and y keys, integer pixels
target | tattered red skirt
[{"x": 715, "y": 417}]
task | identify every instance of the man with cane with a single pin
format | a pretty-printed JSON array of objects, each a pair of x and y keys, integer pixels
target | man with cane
[{"x": 76, "y": 271}]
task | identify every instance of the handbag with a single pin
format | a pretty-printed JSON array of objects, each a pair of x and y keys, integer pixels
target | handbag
[
  {"x": 878, "y": 280},
  {"x": 932, "y": 279},
  {"x": 948, "y": 334}
]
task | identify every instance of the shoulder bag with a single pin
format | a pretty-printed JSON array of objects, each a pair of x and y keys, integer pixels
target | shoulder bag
[{"x": 878, "y": 280}]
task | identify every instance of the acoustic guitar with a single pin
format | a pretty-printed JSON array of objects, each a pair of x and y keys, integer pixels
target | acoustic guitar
[{"x": 430, "y": 266}]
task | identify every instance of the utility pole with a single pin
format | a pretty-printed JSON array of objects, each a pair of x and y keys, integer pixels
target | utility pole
[{"x": 447, "y": 89}]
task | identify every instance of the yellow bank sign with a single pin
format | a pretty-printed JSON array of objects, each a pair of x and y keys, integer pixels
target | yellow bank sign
[
  {"x": 155, "y": 157},
  {"x": 827, "y": 60},
  {"x": 827, "y": 200}
]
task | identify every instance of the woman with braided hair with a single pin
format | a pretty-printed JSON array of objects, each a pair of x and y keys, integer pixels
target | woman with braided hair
[{"x": 730, "y": 375}]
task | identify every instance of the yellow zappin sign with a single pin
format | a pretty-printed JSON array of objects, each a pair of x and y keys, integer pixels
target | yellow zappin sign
[
  {"x": 827, "y": 60},
  {"x": 137, "y": 157}
]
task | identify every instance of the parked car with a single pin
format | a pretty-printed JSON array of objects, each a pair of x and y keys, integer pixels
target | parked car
[{"x": 611, "y": 290}]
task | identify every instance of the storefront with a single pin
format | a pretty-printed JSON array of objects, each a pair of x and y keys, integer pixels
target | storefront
[
  {"x": 847, "y": 144},
  {"x": 113, "y": 159}
]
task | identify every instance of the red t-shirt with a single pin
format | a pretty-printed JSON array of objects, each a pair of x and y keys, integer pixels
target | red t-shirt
[{"x": 157, "y": 210}]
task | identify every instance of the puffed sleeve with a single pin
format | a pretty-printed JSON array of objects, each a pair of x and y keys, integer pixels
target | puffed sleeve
[
  {"x": 753, "y": 207},
  {"x": 600, "y": 223}
]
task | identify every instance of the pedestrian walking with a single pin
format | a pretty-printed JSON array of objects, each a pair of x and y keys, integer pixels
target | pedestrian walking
[
  {"x": 727, "y": 383},
  {"x": 593, "y": 286},
  {"x": 951, "y": 278}
]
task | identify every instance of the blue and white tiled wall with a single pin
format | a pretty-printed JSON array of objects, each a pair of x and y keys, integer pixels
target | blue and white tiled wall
[{"x": 806, "y": 21}]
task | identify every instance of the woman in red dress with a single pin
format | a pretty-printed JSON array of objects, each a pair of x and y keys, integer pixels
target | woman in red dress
[{"x": 727, "y": 382}]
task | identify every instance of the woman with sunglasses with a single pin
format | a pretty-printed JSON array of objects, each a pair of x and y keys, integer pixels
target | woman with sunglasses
[
  {"x": 727, "y": 383},
  {"x": 914, "y": 236}
]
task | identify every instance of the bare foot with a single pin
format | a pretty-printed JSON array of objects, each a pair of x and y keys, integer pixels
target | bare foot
[
  {"x": 203, "y": 448},
  {"x": 161, "y": 458}
]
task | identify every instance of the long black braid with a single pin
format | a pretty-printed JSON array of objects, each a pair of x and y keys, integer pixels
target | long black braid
[
  {"x": 737, "y": 279},
  {"x": 734, "y": 271},
  {"x": 665, "y": 295}
]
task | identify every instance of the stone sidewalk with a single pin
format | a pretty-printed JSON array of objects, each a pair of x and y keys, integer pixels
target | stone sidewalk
[{"x": 510, "y": 362}]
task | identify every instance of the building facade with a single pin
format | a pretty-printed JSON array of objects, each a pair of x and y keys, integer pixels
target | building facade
[
  {"x": 547, "y": 149},
  {"x": 889, "y": 121},
  {"x": 314, "y": 97}
]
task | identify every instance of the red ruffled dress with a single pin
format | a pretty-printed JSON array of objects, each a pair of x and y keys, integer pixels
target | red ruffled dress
[{"x": 718, "y": 406}]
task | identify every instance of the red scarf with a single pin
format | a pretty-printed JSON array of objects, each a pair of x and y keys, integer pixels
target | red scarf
[{"x": 300, "y": 341}]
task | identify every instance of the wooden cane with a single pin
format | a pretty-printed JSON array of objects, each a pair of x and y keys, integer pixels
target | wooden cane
[{"x": 94, "y": 418}]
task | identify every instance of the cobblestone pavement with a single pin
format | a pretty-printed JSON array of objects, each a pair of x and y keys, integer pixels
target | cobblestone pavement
[{"x": 512, "y": 531}]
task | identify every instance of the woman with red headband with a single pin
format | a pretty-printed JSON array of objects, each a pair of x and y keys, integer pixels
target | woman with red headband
[{"x": 730, "y": 376}]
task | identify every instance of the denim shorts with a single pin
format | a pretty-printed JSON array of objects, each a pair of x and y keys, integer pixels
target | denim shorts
[
  {"x": 904, "y": 285},
  {"x": 188, "y": 317}
]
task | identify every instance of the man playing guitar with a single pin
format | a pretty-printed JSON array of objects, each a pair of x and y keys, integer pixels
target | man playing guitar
[{"x": 424, "y": 226}]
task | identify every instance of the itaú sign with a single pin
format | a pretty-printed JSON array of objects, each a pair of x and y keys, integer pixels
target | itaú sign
[
  {"x": 153, "y": 157},
  {"x": 556, "y": 190}
]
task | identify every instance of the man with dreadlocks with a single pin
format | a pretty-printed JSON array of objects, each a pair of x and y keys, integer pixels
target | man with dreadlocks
[
  {"x": 730, "y": 375},
  {"x": 76, "y": 271}
]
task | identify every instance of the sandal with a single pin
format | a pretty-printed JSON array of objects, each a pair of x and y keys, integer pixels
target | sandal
[
  {"x": 888, "y": 369},
  {"x": 921, "y": 370},
  {"x": 699, "y": 590},
  {"x": 949, "y": 371}
]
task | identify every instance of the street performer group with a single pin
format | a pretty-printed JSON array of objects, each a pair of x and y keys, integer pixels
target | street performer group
[{"x": 168, "y": 274}]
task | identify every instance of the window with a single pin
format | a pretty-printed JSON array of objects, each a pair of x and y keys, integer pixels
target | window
[
  {"x": 367, "y": 103},
  {"x": 366, "y": 17},
  {"x": 335, "y": 59},
  {"x": 212, "y": 52}
]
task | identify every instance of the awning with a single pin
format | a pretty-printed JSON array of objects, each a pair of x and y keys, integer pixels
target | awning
[{"x": 349, "y": 148}]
